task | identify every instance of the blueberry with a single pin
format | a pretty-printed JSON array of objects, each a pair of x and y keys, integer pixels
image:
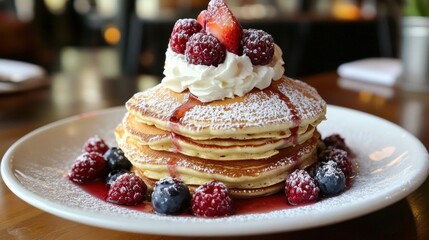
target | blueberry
[
  {"x": 329, "y": 178},
  {"x": 113, "y": 175},
  {"x": 170, "y": 196},
  {"x": 116, "y": 160}
]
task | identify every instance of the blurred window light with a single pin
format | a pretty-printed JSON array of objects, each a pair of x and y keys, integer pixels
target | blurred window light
[
  {"x": 107, "y": 62},
  {"x": 369, "y": 8},
  {"x": 112, "y": 35},
  {"x": 147, "y": 81},
  {"x": 82, "y": 6},
  {"x": 323, "y": 7},
  {"x": 346, "y": 10},
  {"x": 289, "y": 6},
  {"x": 70, "y": 60},
  {"x": 254, "y": 11},
  {"x": 147, "y": 8},
  {"x": 108, "y": 8},
  {"x": 56, "y": 6},
  {"x": 24, "y": 10}
]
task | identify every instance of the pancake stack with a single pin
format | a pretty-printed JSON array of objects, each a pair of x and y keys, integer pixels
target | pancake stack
[{"x": 250, "y": 143}]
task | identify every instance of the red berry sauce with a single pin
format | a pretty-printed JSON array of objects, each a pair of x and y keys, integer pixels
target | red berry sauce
[{"x": 265, "y": 204}]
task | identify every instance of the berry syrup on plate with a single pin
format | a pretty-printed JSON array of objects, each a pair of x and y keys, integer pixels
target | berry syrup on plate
[
  {"x": 331, "y": 175},
  {"x": 99, "y": 189}
]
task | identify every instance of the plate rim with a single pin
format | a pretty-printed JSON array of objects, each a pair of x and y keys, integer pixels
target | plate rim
[{"x": 97, "y": 219}]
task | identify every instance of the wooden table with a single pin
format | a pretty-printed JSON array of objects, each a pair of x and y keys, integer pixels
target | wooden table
[{"x": 23, "y": 112}]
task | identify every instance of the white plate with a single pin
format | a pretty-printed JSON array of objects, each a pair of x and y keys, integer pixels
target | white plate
[
  {"x": 19, "y": 76},
  {"x": 393, "y": 163}
]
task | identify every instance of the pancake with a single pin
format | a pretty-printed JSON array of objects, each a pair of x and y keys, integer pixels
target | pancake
[
  {"x": 244, "y": 179},
  {"x": 276, "y": 112},
  {"x": 215, "y": 149},
  {"x": 249, "y": 143}
]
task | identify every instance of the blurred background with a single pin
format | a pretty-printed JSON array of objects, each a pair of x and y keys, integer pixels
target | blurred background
[{"x": 111, "y": 38}]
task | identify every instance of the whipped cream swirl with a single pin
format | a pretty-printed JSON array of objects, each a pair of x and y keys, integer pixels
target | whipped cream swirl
[{"x": 234, "y": 77}]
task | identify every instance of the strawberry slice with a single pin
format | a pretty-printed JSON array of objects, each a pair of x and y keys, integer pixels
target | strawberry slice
[
  {"x": 202, "y": 18},
  {"x": 221, "y": 23}
]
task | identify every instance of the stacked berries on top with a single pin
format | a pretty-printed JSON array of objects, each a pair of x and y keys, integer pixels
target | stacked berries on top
[
  {"x": 301, "y": 188},
  {"x": 182, "y": 31},
  {"x": 206, "y": 40}
]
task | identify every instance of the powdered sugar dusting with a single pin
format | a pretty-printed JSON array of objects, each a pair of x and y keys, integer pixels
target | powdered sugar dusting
[
  {"x": 149, "y": 103},
  {"x": 306, "y": 100},
  {"x": 257, "y": 109}
]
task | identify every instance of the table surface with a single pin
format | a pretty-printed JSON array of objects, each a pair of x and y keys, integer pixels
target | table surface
[{"x": 23, "y": 112}]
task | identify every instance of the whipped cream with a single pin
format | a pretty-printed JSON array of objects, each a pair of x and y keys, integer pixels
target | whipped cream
[{"x": 234, "y": 77}]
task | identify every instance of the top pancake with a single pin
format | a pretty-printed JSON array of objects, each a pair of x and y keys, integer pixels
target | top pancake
[{"x": 269, "y": 113}]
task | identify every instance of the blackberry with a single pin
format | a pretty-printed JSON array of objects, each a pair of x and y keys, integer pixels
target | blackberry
[
  {"x": 113, "y": 175},
  {"x": 336, "y": 141},
  {"x": 340, "y": 157},
  {"x": 116, "y": 160}
]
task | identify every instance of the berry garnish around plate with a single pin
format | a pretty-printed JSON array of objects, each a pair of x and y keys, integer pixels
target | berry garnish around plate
[
  {"x": 329, "y": 178},
  {"x": 170, "y": 196},
  {"x": 340, "y": 157},
  {"x": 95, "y": 144},
  {"x": 337, "y": 141},
  {"x": 301, "y": 188},
  {"x": 87, "y": 168},
  {"x": 116, "y": 160},
  {"x": 212, "y": 200},
  {"x": 128, "y": 189},
  {"x": 113, "y": 175}
]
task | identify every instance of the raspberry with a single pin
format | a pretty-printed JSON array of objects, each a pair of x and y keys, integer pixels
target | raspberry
[
  {"x": 212, "y": 200},
  {"x": 204, "y": 49},
  {"x": 301, "y": 188},
  {"x": 88, "y": 167},
  {"x": 183, "y": 29},
  {"x": 340, "y": 157},
  {"x": 170, "y": 196},
  {"x": 330, "y": 180},
  {"x": 95, "y": 144},
  {"x": 127, "y": 189},
  {"x": 258, "y": 46}
]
